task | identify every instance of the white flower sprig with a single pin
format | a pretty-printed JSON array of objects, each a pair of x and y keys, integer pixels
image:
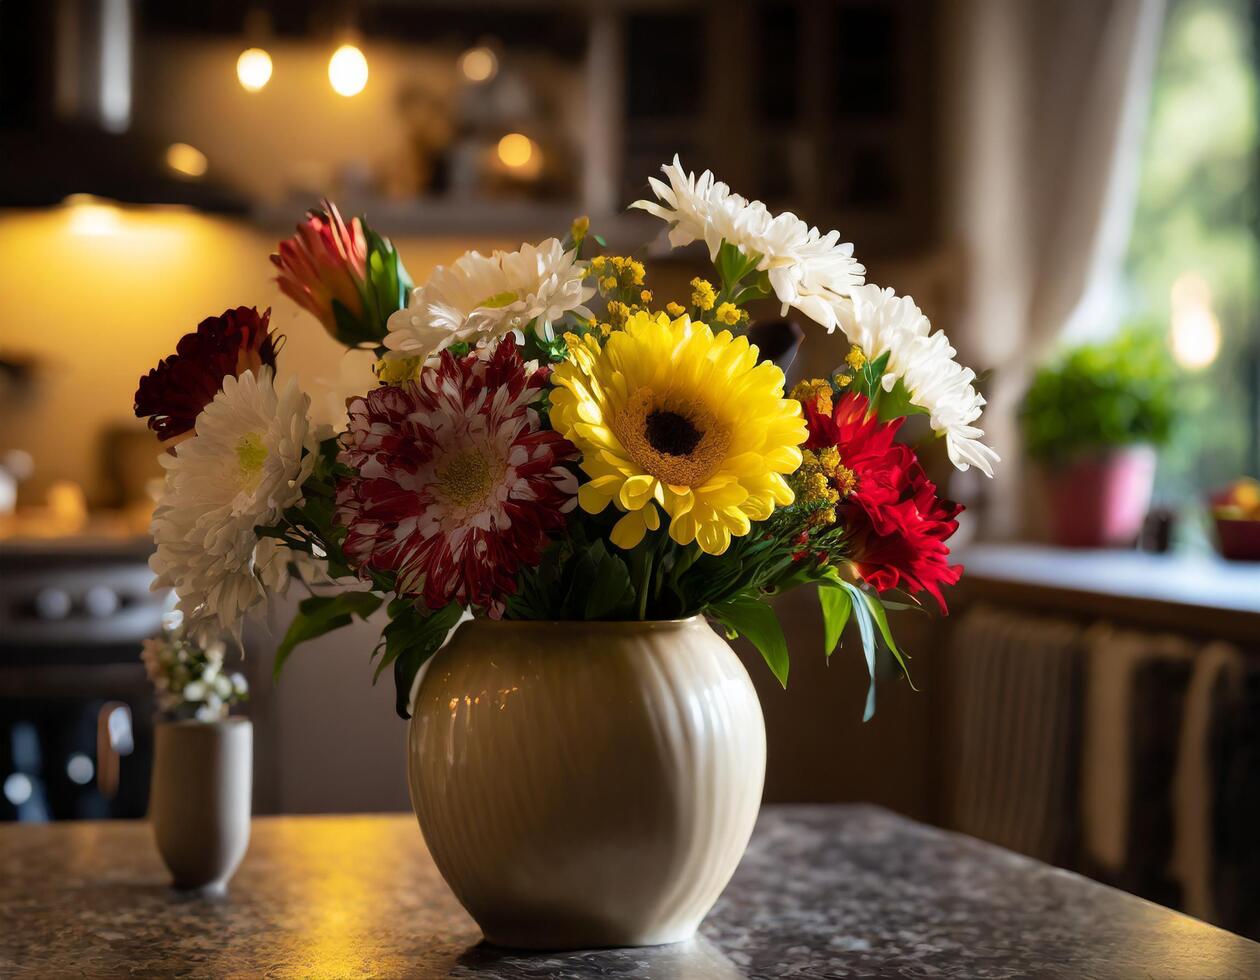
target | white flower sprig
[{"x": 189, "y": 679}]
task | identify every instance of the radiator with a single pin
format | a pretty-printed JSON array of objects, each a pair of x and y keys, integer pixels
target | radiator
[
  {"x": 1115, "y": 752},
  {"x": 1012, "y": 731}
]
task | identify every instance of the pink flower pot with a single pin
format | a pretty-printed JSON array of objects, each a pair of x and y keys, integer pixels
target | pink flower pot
[{"x": 1100, "y": 501}]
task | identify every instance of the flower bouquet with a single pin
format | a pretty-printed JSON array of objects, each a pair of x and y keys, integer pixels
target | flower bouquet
[{"x": 588, "y": 474}]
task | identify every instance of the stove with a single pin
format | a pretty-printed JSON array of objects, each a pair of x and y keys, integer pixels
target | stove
[{"x": 76, "y": 708}]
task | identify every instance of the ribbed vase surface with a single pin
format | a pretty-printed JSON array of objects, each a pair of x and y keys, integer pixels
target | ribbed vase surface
[{"x": 586, "y": 784}]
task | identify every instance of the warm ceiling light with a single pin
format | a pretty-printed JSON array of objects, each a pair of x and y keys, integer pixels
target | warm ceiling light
[
  {"x": 1195, "y": 337},
  {"x": 186, "y": 161},
  {"x": 516, "y": 150},
  {"x": 347, "y": 70},
  {"x": 478, "y": 64},
  {"x": 253, "y": 69}
]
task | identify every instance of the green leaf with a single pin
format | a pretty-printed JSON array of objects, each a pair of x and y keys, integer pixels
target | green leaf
[
  {"x": 896, "y": 403},
  {"x": 732, "y": 264},
  {"x": 323, "y": 614},
  {"x": 836, "y": 605},
  {"x": 599, "y": 584},
  {"x": 350, "y": 329},
  {"x": 866, "y": 629},
  {"x": 759, "y": 288},
  {"x": 881, "y": 620},
  {"x": 749, "y": 616},
  {"x": 415, "y": 638},
  {"x": 387, "y": 280},
  {"x": 610, "y": 587}
]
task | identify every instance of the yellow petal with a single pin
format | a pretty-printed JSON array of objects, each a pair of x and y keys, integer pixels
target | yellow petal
[
  {"x": 683, "y": 529},
  {"x": 728, "y": 496},
  {"x": 736, "y": 521},
  {"x": 713, "y": 538},
  {"x": 758, "y": 508},
  {"x": 784, "y": 459},
  {"x": 593, "y": 498},
  {"x": 745, "y": 464},
  {"x": 636, "y": 491},
  {"x": 678, "y": 501},
  {"x": 629, "y": 531},
  {"x": 589, "y": 412}
]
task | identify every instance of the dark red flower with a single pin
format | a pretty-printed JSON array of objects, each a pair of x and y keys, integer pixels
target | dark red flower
[
  {"x": 897, "y": 525},
  {"x": 457, "y": 484},
  {"x": 172, "y": 395}
]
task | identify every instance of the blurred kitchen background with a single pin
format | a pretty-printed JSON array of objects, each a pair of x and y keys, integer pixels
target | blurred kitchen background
[{"x": 1038, "y": 176}]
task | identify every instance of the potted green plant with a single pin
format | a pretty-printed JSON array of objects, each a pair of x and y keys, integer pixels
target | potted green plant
[{"x": 1092, "y": 419}]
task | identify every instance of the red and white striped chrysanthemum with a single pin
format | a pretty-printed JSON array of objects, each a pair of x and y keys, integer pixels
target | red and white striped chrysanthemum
[{"x": 457, "y": 485}]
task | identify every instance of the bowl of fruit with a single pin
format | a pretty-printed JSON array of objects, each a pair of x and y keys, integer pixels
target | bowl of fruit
[{"x": 1236, "y": 511}]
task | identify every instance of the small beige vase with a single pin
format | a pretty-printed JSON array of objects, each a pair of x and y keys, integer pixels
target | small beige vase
[
  {"x": 200, "y": 799},
  {"x": 586, "y": 784}
]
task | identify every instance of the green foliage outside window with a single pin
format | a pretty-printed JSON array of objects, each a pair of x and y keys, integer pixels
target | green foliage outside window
[{"x": 1196, "y": 216}]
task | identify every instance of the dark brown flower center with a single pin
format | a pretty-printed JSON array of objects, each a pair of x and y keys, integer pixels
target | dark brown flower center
[{"x": 671, "y": 433}]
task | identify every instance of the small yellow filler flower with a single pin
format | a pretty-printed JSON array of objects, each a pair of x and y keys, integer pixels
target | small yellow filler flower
[
  {"x": 397, "y": 370},
  {"x": 728, "y": 313},
  {"x": 702, "y": 295},
  {"x": 815, "y": 390}
]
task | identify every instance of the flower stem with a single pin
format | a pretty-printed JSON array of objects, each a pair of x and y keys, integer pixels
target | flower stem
[{"x": 643, "y": 587}]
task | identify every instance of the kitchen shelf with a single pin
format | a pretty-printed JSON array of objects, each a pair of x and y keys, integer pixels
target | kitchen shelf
[{"x": 456, "y": 218}]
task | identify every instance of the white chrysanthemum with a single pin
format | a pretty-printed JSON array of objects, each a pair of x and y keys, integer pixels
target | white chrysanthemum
[
  {"x": 482, "y": 296},
  {"x": 807, "y": 269},
  {"x": 689, "y": 203},
  {"x": 879, "y": 321},
  {"x": 243, "y": 469}
]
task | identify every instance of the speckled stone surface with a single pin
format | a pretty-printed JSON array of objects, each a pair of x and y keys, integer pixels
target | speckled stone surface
[{"x": 837, "y": 891}]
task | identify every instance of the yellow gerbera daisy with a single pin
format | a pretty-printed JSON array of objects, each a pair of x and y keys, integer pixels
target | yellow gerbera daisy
[{"x": 666, "y": 413}]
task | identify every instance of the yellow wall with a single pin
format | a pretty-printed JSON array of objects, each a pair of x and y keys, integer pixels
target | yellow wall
[
  {"x": 96, "y": 296},
  {"x": 298, "y": 134}
]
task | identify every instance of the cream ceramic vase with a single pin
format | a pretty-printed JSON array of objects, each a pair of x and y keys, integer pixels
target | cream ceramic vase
[
  {"x": 586, "y": 784},
  {"x": 199, "y": 803}
]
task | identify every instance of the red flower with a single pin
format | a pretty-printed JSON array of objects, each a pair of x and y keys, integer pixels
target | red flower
[
  {"x": 172, "y": 395},
  {"x": 325, "y": 261},
  {"x": 897, "y": 524},
  {"x": 457, "y": 485}
]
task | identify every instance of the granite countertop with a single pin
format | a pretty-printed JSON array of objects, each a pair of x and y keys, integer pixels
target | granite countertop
[{"x": 834, "y": 891}]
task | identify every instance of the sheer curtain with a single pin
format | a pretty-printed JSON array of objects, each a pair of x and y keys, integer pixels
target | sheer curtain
[{"x": 1045, "y": 104}]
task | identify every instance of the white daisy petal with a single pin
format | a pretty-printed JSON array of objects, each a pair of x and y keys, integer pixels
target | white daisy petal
[{"x": 879, "y": 321}]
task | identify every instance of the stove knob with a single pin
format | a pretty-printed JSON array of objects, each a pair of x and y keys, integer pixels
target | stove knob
[
  {"x": 52, "y": 603},
  {"x": 101, "y": 601}
]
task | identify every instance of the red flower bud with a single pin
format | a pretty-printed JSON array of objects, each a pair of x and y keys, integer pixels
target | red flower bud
[{"x": 326, "y": 260}]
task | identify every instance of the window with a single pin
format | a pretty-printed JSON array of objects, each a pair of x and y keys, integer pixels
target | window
[{"x": 1193, "y": 266}]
